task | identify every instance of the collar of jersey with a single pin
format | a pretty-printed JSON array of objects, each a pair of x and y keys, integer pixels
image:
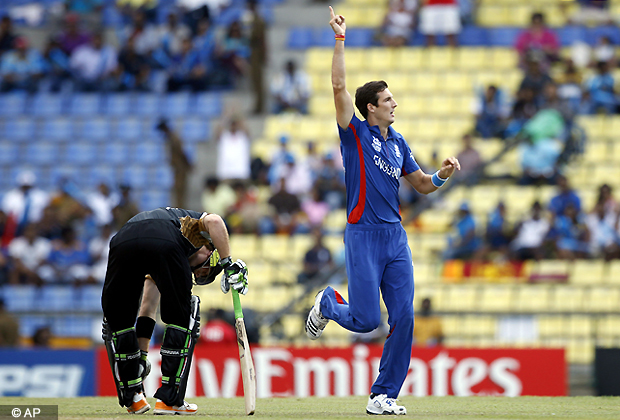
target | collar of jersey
[{"x": 374, "y": 129}]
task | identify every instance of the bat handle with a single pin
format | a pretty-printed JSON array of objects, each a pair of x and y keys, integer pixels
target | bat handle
[{"x": 237, "y": 304}]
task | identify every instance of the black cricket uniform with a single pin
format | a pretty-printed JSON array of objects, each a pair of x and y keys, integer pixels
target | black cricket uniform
[{"x": 149, "y": 243}]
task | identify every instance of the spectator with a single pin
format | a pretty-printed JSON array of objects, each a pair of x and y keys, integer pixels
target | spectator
[
  {"x": 7, "y": 36},
  {"x": 524, "y": 108},
  {"x": 217, "y": 197},
  {"x": 42, "y": 337},
  {"x": 605, "y": 51},
  {"x": 101, "y": 202},
  {"x": 464, "y": 243},
  {"x": 133, "y": 68},
  {"x": 491, "y": 111},
  {"x": 291, "y": 90},
  {"x": 179, "y": 162},
  {"x": 539, "y": 161},
  {"x": 72, "y": 37},
  {"x": 217, "y": 330},
  {"x": 144, "y": 36},
  {"x": 90, "y": 11},
  {"x": 172, "y": 33},
  {"x": 68, "y": 261},
  {"x": 125, "y": 209},
  {"x": 313, "y": 160},
  {"x": 470, "y": 160},
  {"x": 602, "y": 91},
  {"x": 286, "y": 208},
  {"x": 569, "y": 86},
  {"x": 233, "y": 153},
  {"x": 186, "y": 70},
  {"x": 566, "y": 197},
  {"x": 571, "y": 233},
  {"x": 330, "y": 183},
  {"x": 535, "y": 78},
  {"x": 427, "y": 331},
  {"x": 258, "y": 55},
  {"x": 146, "y": 8},
  {"x": 95, "y": 66},
  {"x": 68, "y": 208},
  {"x": 539, "y": 41},
  {"x": 315, "y": 210},
  {"x": 28, "y": 253},
  {"x": 592, "y": 13},
  {"x": 5, "y": 268},
  {"x": 21, "y": 68},
  {"x": 9, "y": 328},
  {"x": 398, "y": 23},
  {"x": 195, "y": 11},
  {"x": 607, "y": 200},
  {"x": 49, "y": 226},
  {"x": 278, "y": 161},
  {"x": 317, "y": 259},
  {"x": 233, "y": 52},
  {"x": 498, "y": 233},
  {"x": 56, "y": 65},
  {"x": 98, "y": 249},
  {"x": 25, "y": 203},
  {"x": 244, "y": 215},
  {"x": 603, "y": 236},
  {"x": 440, "y": 17},
  {"x": 204, "y": 43},
  {"x": 530, "y": 235},
  {"x": 552, "y": 100},
  {"x": 298, "y": 177}
]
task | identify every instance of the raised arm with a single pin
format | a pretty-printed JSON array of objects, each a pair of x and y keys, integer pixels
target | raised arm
[
  {"x": 342, "y": 98},
  {"x": 424, "y": 183}
]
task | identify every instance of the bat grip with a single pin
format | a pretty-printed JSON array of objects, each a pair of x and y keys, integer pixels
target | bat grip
[{"x": 237, "y": 304}]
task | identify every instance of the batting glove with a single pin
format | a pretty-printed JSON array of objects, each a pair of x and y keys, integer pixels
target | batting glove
[{"x": 235, "y": 276}]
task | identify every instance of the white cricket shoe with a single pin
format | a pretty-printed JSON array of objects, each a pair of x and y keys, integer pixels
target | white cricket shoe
[
  {"x": 315, "y": 323},
  {"x": 381, "y": 404},
  {"x": 185, "y": 409}
]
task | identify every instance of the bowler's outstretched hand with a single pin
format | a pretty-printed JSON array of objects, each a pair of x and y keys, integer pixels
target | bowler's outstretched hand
[
  {"x": 337, "y": 22},
  {"x": 448, "y": 167}
]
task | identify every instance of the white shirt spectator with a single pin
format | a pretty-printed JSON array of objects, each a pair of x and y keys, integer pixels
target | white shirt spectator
[
  {"x": 91, "y": 64},
  {"x": 602, "y": 233},
  {"x": 30, "y": 254},
  {"x": 102, "y": 205},
  {"x": 531, "y": 234},
  {"x": 24, "y": 199},
  {"x": 233, "y": 155},
  {"x": 99, "y": 249}
]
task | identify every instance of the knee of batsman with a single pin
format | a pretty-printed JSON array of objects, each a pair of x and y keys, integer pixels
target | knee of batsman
[
  {"x": 370, "y": 322},
  {"x": 177, "y": 347}
]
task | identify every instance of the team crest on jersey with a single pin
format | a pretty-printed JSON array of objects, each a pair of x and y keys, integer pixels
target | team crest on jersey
[
  {"x": 376, "y": 144},
  {"x": 397, "y": 150}
]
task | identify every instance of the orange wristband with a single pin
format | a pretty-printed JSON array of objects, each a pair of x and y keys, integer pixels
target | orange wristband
[{"x": 339, "y": 37}]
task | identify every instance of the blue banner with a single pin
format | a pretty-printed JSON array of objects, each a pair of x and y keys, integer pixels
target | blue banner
[{"x": 47, "y": 373}]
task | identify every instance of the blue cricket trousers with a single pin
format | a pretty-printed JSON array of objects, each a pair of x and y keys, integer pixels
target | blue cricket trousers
[{"x": 378, "y": 258}]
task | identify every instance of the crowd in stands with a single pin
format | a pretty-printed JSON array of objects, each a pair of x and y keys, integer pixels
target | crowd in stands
[
  {"x": 560, "y": 229},
  {"x": 185, "y": 52}
]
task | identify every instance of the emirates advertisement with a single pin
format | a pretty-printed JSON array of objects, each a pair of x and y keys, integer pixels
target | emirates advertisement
[{"x": 322, "y": 371}]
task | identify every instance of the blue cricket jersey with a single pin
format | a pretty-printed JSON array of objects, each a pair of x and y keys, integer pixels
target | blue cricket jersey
[{"x": 373, "y": 167}]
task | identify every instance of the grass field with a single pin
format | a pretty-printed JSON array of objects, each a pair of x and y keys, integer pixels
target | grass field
[{"x": 435, "y": 408}]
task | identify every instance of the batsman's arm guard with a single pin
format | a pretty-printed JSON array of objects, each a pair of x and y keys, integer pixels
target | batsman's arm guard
[
  {"x": 124, "y": 357},
  {"x": 176, "y": 351}
]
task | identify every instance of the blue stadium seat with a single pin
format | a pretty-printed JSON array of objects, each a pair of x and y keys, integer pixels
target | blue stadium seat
[
  {"x": 570, "y": 34},
  {"x": 228, "y": 16},
  {"x": 59, "y": 129},
  {"x": 89, "y": 298},
  {"x": 65, "y": 171},
  {"x": 98, "y": 174},
  {"x": 136, "y": 176},
  {"x": 55, "y": 298},
  {"x": 473, "y": 36},
  {"x": 9, "y": 152},
  {"x": 149, "y": 153},
  {"x": 359, "y": 37},
  {"x": 128, "y": 128},
  {"x": 194, "y": 129},
  {"x": 85, "y": 104},
  {"x": 19, "y": 298},
  {"x": 115, "y": 154},
  {"x": 77, "y": 153},
  {"x": 29, "y": 324},
  {"x": 41, "y": 153},
  {"x": 209, "y": 105},
  {"x": 503, "y": 37},
  {"x": 154, "y": 198},
  {"x": 175, "y": 104},
  {"x": 118, "y": 104},
  {"x": 12, "y": 104},
  {"x": 22, "y": 129},
  {"x": 300, "y": 38},
  {"x": 595, "y": 33},
  {"x": 322, "y": 37},
  {"x": 95, "y": 129},
  {"x": 47, "y": 105},
  {"x": 77, "y": 326},
  {"x": 147, "y": 104},
  {"x": 162, "y": 177}
]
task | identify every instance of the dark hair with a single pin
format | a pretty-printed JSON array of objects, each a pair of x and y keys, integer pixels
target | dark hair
[
  {"x": 538, "y": 16},
  {"x": 368, "y": 94}
]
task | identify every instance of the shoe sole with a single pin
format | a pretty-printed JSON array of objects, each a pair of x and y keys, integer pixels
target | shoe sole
[
  {"x": 385, "y": 413},
  {"x": 141, "y": 411},
  {"x": 161, "y": 412}
]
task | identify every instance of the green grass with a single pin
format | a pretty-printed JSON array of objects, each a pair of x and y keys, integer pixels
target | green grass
[{"x": 435, "y": 408}]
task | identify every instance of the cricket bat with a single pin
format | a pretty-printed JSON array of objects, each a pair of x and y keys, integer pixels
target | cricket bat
[{"x": 245, "y": 358}]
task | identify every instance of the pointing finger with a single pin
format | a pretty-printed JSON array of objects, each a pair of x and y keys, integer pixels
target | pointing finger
[{"x": 331, "y": 12}]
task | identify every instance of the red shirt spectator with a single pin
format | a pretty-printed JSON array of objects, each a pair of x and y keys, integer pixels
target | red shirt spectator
[{"x": 217, "y": 330}]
